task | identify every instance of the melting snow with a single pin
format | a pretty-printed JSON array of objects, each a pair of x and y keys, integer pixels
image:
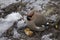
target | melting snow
[{"x": 8, "y": 21}]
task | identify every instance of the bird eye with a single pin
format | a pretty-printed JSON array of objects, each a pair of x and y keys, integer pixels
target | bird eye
[{"x": 28, "y": 18}]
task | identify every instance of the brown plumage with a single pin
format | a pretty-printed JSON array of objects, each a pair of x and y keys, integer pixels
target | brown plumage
[{"x": 36, "y": 20}]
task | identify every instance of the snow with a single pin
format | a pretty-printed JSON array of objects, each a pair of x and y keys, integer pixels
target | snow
[
  {"x": 14, "y": 16},
  {"x": 9, "y": 39},
  {"x": 46, "y": 37},
  {"x": 9, "y": 20},
  {"x": 37, "y": 4},
  {"x": 31, "y": 3},
  {"x": 53, "y": 17},
  {"x": 21, "y": 24},
  {"x": 16, "y": 34},
  {"x": 5, "y": 3},
  {"x": 4, "y": 25},
  {"x": 3, "y": 38}
]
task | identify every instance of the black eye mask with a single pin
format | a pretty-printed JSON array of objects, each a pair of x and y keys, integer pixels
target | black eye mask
[{"x": 29, "y": 18}]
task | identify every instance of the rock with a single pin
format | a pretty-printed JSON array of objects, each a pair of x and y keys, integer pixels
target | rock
[{"x": 28, "y": 32}]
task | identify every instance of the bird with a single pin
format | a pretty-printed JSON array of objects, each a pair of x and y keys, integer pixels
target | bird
[{"x": 35, "y": 20}]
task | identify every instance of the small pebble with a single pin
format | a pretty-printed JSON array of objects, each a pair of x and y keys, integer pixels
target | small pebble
[{"x": 28, "y": 32}]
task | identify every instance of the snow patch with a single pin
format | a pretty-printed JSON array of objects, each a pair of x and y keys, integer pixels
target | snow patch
[
  {"x": 3, "y": 38},
  {"x": 21, "y": 24},
  {"x": 14, "y": 16},
  {"x": 46, "y": 37},
  {"x": 5, "y": 3},
  {"x": 9, "y": 20},
  {"x": 16, "y": 34}
]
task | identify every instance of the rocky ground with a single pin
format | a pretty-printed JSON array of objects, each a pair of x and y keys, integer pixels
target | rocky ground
[{"x": 12, "y": 24}]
